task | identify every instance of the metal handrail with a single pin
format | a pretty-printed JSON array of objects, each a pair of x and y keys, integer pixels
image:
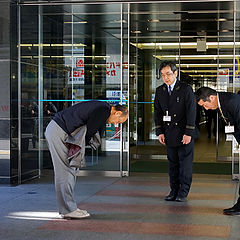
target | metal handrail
[{"x": 235, "y": 150}]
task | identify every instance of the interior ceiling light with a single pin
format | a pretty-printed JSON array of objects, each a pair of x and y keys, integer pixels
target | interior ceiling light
[
  {"x": 119, "y": 21},
  {"x": 68, "y": 45},
  {"x": 185, "y": 45},
  {"x": 137, "y": 31},
  {"x": 53, "y": 45},
  {"x": 200, "y": 71},
  {"x": 206, "y": 75},
  {"x": 66, "y": 56},
  {"x": 199, "y": 57},
  {"x": 222, "y": 19},
  {"x": 154, "y": 20},
  {"x": 203, "y": 65}
]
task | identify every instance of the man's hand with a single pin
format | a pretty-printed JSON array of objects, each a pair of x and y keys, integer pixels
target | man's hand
[
  {"x": 186, "y": 139},
  {"x": 161, "y": 139}
]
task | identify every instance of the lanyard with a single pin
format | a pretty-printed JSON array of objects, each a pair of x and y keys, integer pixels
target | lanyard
[{"x": 220, "y": 109}]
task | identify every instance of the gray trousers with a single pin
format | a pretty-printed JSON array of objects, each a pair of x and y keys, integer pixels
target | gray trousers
[{"x": 65, "y": 176}]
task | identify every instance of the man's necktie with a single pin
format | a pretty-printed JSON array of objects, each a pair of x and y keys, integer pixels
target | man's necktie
[{"x": 169, "y": 90}]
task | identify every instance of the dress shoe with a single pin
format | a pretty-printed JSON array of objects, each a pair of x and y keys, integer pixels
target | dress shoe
[
  {"x": 171, "y": 197},
  {"x": 181, "y": 199},
  {"x": 235, "y": 210}
]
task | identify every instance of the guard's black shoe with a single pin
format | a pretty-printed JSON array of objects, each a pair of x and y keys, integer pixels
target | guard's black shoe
[
  {"x": 235, "y": 210},
  {"x": 171, "y": 197},
  {"x": 181, "y": 199}
]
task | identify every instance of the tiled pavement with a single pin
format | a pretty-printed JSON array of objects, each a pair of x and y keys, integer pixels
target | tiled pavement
[{"x": 130, "y": 208}]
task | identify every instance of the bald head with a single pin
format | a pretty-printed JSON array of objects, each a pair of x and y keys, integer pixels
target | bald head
[{"x": 119, "y": 114}]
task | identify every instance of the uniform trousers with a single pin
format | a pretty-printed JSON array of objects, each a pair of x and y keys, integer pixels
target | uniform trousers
[
  {"x": 65, "y": 176},
  {"x": 180, "y": 161}
]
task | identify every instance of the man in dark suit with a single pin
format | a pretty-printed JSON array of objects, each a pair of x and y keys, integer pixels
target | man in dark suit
[
  {"x": 92, "y": 114},
  {"x": 175, "y": 115},
  {"x": 228, "y": 106}
]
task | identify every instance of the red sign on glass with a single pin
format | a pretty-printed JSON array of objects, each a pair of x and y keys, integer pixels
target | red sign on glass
[
  {"x": 79, "y": 73},
  {"x": 112, "y": 68},
  {"x": 79, "y": 63}
]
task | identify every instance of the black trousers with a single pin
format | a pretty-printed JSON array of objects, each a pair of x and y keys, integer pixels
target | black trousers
[{"x": 180, "y": 161}]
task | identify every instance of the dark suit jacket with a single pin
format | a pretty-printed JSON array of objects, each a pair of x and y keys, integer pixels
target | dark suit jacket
[
  {"x": 94, "y": 114},
  {"x": 230, "y": 105},
  {"x": 181, "y": 106}
]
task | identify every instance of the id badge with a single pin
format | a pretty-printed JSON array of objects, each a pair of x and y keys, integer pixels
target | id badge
[
  {"x": 167, "y": 118},
  {"x": 229, "y": 129},
  {"x": 229, "y": 137}
]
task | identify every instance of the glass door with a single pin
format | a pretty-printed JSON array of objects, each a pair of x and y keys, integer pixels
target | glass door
[
  {"x": 69, "y": 54},
  {"x": 226, "y": 81},
  {"x": 85, "y": 58},
  {"x": 154, "y": 37},
  {"x": 199, "y": 38}
]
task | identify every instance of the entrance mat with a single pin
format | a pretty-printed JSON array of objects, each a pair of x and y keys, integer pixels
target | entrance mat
[{"x": 162, "y": 167}]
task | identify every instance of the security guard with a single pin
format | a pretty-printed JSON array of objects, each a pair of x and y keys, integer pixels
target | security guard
[
  {"x": 228, "y": 106},
  {"x": 175, "y": 115}
]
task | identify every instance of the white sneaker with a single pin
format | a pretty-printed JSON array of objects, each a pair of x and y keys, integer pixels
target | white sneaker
[{"x": 77, "y": 214}]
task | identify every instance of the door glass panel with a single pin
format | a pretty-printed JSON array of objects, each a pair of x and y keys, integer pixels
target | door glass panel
[
  {"x": 236, "y": 82},
  {"x": 29, "y": 93},
  {"x": 125, "y": 85},
  {"x": 82, "y": 61},
  {"x": 198, "y": 65},
  {"x": 199, "y": 38},
  {"x": 225, "y": 80},
  {"x": 154, "y": 30}
]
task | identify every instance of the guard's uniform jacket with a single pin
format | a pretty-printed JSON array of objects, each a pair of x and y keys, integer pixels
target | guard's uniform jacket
[{"x": 181, "y": 106}]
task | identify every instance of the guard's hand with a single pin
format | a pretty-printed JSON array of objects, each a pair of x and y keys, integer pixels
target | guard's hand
[
  {"x": 161, "y": 139},
  {"x": 186, "y": 139}
]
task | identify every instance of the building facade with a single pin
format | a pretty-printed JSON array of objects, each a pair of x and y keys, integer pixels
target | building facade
[{"x": 58, "y": 53}]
